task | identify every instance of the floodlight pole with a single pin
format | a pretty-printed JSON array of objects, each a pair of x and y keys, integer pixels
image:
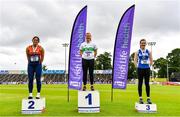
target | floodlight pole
[{"x": 152, "y": 44}]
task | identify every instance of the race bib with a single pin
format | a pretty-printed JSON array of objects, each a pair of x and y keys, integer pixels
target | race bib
[
  {"x": 88, "y": 53},
  {"x": 144, "y": 62},
  {"x": 34, "y": 58}
]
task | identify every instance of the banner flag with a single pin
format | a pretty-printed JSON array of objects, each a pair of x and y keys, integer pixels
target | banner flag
[
  {"x": 77, "y": 37},
  {"x": 122, "y": 49}
]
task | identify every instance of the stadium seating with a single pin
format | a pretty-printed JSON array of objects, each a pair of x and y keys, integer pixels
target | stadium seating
[{"x": 49, "y": 78}]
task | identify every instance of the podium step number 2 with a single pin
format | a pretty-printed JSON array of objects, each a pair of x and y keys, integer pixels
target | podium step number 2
[
  {"x": 33, "y": 106},
  {"x": 88, "y": 102}
]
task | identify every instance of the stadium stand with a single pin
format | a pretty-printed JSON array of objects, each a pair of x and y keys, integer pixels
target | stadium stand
[{"x": 50, "y": 77}]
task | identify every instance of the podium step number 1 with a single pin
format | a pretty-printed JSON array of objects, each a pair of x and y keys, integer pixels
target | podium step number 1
[
  {"x": 33, "y": 106},
  {"x": 88, "y": 102},
  {"x": 146, "y": 108}
]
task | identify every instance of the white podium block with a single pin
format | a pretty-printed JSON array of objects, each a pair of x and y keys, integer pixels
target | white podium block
[
  {"x": 33, "y": 106},
  {"x": 146, "y": 108},
  {"x": 88, "y": 102}
]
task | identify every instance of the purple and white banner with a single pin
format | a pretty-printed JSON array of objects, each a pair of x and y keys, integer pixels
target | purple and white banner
[
  {"x": 77, "y": 37},
  {"x": 122, "y": 49}
]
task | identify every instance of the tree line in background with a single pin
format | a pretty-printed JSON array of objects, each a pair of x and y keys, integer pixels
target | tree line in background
[
  {"x": 170, "y": 63},
  {"x": 161, "y": 65}
]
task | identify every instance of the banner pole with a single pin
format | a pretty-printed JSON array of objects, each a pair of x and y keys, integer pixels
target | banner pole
[
  {"x": 112, "y": 93},
  {"x": 68, "y": 92}
]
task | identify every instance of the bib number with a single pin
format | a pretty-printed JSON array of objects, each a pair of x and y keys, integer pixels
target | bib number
[
  {"x": 88, "y": 54},
  {"x": 144, "y": 62},
  {"x": 34, "y": 58}
]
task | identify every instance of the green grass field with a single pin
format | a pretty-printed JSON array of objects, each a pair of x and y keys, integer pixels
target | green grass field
[{"x": 167, "y": 99}]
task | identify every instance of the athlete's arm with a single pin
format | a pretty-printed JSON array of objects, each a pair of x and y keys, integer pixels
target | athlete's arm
[
  {"x": 150, "y": 58},
  {"x": 42, "y": 51},
  {"x": 135, "y": 59},
  {"x": 81, "y": 51},
  {"x": 27, "y": 54},
  {"x": 95, "y": 52}
]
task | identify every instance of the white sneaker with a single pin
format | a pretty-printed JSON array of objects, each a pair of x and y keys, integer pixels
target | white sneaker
[{"x": 38, "y": 96}]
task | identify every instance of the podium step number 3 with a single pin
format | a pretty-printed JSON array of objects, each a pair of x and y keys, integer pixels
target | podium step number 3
[
  {"x": 33, "y": 106},
  {"x": 88, "y": 102},
  {"x": 146, "y": 108}
]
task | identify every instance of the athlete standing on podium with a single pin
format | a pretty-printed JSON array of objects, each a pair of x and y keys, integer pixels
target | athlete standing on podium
[
  {"x": 88, "y": 51},
  {"x": 35, "y": 57},
  {"x": 143, "y": 60}
]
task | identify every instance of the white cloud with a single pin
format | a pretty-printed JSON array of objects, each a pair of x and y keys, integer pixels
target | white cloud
[{"x": 52, "y": 20}]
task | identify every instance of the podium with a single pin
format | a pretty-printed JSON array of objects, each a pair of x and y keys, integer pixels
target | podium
[
  {"x": 88, "y": 102},
  {"x": 146, "y": 108},
  {"x": 33, "y": 106}
]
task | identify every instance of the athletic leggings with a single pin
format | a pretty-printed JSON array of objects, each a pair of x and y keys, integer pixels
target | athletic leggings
[
  {"x": 143, "y": 74},
  {"x": 34, "y": 70},
  {"x": 88, "y": 64}
]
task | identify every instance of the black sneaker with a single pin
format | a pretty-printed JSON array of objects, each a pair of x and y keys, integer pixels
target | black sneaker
[
  {"x": 149, "y": 101},
  {"x": 84, "y": 88},
  {"x": 141, "y": 101},
  {"x": 92, "y": 88},
  {"x": 37, "y": 97},
  {"x": 30, "y": 97}
]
